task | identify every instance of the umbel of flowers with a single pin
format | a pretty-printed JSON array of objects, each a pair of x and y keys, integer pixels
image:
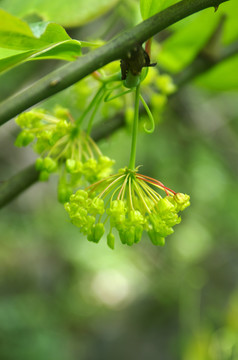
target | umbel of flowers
[
  {"x": 63, "y": 147},
  {"x": 126, "y": 203},
  {"x": 127, "y": 200},
  {"x": 130, "y": 204}
]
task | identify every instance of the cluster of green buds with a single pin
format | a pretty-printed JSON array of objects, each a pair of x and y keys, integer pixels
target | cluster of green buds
[
  {"x": 130, "y": 203},
  {"x": 63, "y": 147}
]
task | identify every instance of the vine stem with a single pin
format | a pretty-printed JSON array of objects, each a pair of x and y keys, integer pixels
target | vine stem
[{"x": 135, "y": 129}]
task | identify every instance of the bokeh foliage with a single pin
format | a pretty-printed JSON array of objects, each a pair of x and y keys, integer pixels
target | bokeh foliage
[{"x": 65, "y": 298}]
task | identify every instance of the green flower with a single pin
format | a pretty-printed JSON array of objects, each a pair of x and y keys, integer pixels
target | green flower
[
  {"x": 131, "y": 205},
  {"x": 83, "y": 211},
  {"x": 63, "y": 147}
]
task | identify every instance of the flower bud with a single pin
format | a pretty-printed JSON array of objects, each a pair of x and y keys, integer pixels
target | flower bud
[
  {"x": 164, "y": 206},
  {"x": 117, "y": 212},
  {"x": 64, "y": 193},
  {"x": 96, "y": 206},
  {"x": 70, "y": 165},
  {"x": 39, "y": 164},
  {"x": 73, "y": 166},
  {"x": 156, "y": 239},
  {"x": 182, "y": 201},
  {"x": 138, "y": 233},
  {"x": 135, "y": 217},
  {"x": 49, "y": 164},
  {"x": 111, "y": 240},
  {"x": 123, "y": 235},
  {"x": 130, "y": 236},
  {"x": 24, "y": 139},
  {"x": 96, "y": 233},
  {"x": 80, "y": 197},
  {"x": 61, "y": 112}
]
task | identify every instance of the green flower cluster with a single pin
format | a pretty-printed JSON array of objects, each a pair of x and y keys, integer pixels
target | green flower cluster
[
  {"x": 132, "y": 206},
  {"x": 63, "y": 147}
]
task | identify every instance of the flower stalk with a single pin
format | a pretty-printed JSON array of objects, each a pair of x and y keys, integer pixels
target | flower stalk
[{"x": 135, "y": 129}]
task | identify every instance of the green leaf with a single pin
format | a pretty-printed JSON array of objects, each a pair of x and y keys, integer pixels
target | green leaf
[
  {"x": 149, "y": 8},
  {"x": 222, "y": 77},
  {"x": 68, "y": 13},
  {"x": 186, "y": 42},
  {"x": 16, "y": 58},
  {"x": 21, "y": 42},
  {"x": 230, "y": 9}
]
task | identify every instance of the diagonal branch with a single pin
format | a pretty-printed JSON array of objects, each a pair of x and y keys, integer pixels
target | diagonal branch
[
  {"x": 21, "y": 181},
  {"x": 11, "y": 188},
  {"x": 115, "y": 49}
]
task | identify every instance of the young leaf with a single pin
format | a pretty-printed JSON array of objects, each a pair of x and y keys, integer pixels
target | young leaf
[
  {"x": 20, "y": 42},
  {"x": 67, "y": 13},
  {"x": 149, "y": 8},
  {"x": 181, "y": 48}
]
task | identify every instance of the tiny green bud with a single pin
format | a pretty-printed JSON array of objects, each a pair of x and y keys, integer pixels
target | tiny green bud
[
  {"x": 123, "y": 236},
  {"x": 24, "y": 139},
  {"x": 99, "y": 231},
  {"x": 130, "y": 236},
  {"x": 96, "y": 206},
  {"x": 73, "y": 166},
  {"x": 64, "y": 193},
  {"x": 96, "y": 233},
  {"x": 135, "y": 217},
  {"x": 164, "y": 206},
  {"x": 70, "y": 165},
  {"x": 111, "y": 240},
  {"x": 156, "y": 239},
  {"x": 182, "y": 200},
  {"x": 138, "y": 233},
  {"x": 80, "y": 197},
  {"x": 49, "y": 164},
  {"x": 39, "y": 164},
  {"x": 61, "y": 112},
  {"x": 117, "y": 212}
]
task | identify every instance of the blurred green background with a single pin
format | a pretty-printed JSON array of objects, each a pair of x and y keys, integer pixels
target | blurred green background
[{"x": 64, "y": 298}]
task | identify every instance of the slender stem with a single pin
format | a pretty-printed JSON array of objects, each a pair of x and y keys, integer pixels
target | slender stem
[
  {"x": 141, "y": 196},
  {"x": 108, "y": 98},
  {"x": 90, "y": 106},
  {"x": 96, "y": 106},
  {"x": 96, "y": 148},
  {"x": 135, "y": 129},
  {"x": 149, "y": 191},
  {"x": 122, "y": 188},
  {"x": 130, "y": 194},
  {"x": 110, "y": 185}
]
